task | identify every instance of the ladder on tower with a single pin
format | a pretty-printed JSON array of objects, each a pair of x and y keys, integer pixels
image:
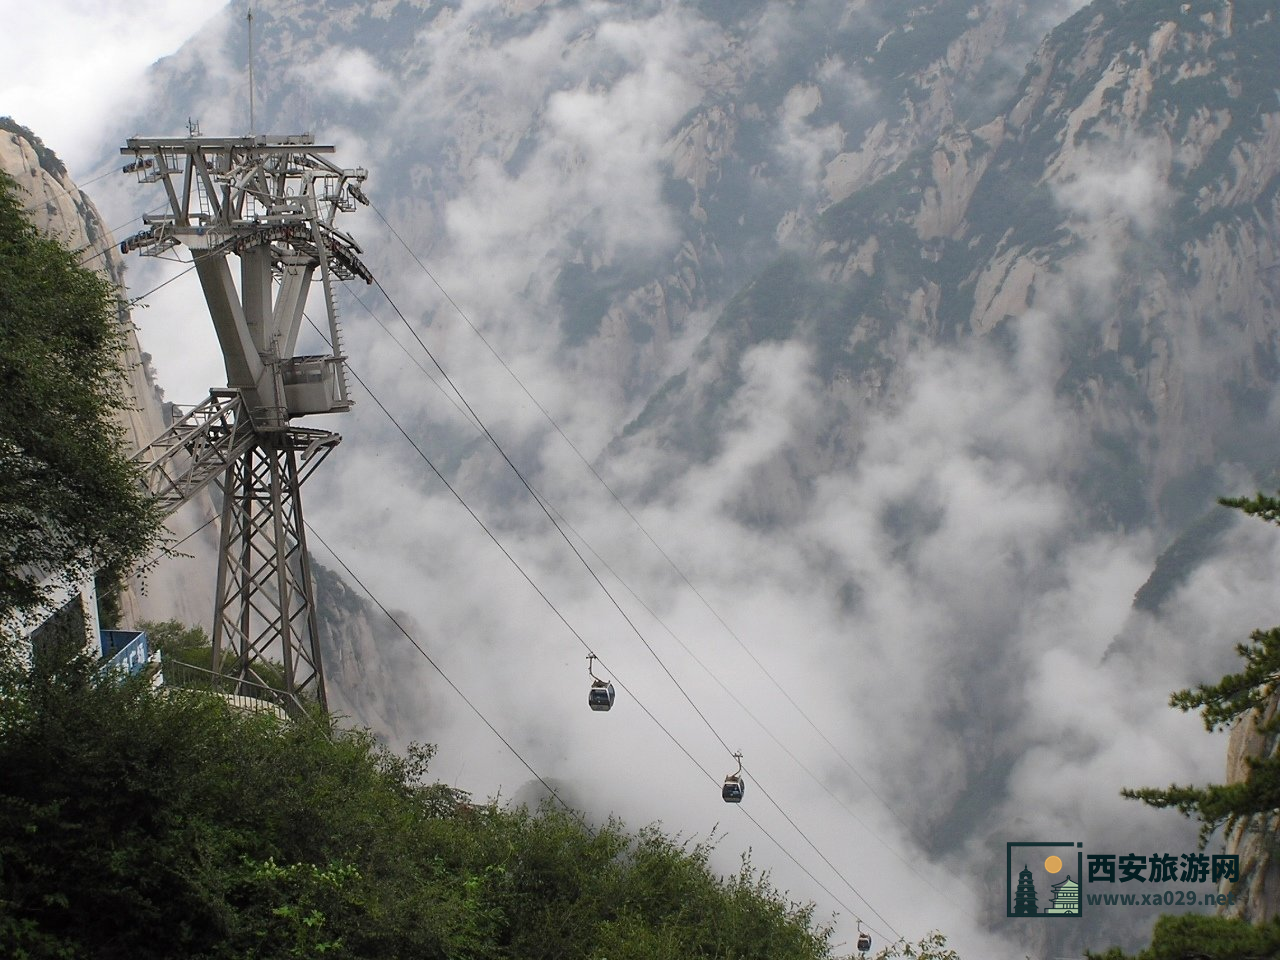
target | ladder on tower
[{"x": 344, "y": 384}]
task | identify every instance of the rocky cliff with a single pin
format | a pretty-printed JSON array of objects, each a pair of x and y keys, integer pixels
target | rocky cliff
[
  {"x": 58, "y": 207},
  {"x": 1112, "y": 232},
  {"x": 751, "y": 118},
  {"x": 1126, "y": 196},
  {"x": 1183, "y": 567},
  {"x": 1256, "y": 840}
]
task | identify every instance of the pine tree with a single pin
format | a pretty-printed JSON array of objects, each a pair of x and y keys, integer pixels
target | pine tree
[{"x": 1234, "y": 697}]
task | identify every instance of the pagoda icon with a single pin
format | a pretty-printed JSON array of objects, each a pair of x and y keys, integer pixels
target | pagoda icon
[{"x": 1024, "y": 899}]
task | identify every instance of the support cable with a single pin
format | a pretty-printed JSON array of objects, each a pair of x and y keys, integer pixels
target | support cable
[
  {"x": 640, "y": 635},
  {"x": 519, "y": 757},
  {"x": 674, "y": 636},
  {"x": 648, "y": 536},
  {"x": 435, "y": 666},
  {"x": 171, "y": 549},
  {"x": 634, "y": 519},
  {"x": 551, "y": 604},
  {"x": 759, "y": 723},
  {"x": 141, "y": 297},
  {"x": 764, "y": 728},
  {"x": 75, "y": 185},
  {"x": 414, "y": 360},
  {"x": 505, "y": 552},
  {"x": 546, "y": 510}
]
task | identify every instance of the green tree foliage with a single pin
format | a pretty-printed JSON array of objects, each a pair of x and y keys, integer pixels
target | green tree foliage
[
  {"x": 932, "y": 946},
  {"x": 175, "y": 638},
  {"x": 1243, "y": 696},
  {"x": 137, "y": 824},
  {"x": 1221, "y": 704},
  {"x": 70, "y": 500},
  {"x": 180, "y": 645},
  {"x": 1192, "y": 936}
]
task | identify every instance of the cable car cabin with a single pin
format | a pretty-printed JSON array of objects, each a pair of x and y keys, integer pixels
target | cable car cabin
[
  {"x": 864, "y": 942},
  {"x": 600, "y": 696},
  {"x": 733, "y": 787},
  {"x": 311, "y": 385}
]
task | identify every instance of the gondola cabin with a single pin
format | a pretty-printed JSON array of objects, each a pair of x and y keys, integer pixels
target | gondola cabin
[
  {"x": 864, "y": 942},
  {"x": 600, "y": 697},
  {"x": 733, "y": 787}
]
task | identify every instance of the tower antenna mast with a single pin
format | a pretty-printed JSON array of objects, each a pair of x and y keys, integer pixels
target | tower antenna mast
[{"x": 253, "y": 127}]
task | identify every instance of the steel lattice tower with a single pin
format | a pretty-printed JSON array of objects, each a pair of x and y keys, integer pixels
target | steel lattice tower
[{"x": 269, "y": 201}]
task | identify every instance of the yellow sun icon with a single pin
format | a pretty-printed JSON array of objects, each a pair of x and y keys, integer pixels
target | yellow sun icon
[{"x": 1053, "y": 864}]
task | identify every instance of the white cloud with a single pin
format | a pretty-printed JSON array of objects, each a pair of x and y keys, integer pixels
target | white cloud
[
  {"x": 349, "y": 74},
  {"x": 1123, "y": 187},
  {"x": 806, "y": 149},
  {"x": 75, "y": 64}
]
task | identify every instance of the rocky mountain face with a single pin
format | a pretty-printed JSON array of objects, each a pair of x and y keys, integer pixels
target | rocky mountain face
[
  {"x": 1254, "y": 839},
  {"x": 56, "y": 206},
  {"x": 763, "y": 114},
  {"x": 363, "y": 654},
  {"x": 1127, "y": 193},
  {"x": 1127, "y": 199},
  {"x": 1199, "y": 548}
]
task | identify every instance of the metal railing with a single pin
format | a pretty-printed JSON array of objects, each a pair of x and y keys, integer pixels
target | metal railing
[{"x": 241, "y": 692}]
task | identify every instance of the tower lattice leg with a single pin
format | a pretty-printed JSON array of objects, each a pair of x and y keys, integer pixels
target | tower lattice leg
[{"x": 265, "y": 616}]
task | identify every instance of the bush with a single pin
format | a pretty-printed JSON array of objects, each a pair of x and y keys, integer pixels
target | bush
[{"x": 144, "y": 824}]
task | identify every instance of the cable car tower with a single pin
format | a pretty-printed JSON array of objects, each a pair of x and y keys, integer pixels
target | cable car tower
[{"x": 271, "y": 202}]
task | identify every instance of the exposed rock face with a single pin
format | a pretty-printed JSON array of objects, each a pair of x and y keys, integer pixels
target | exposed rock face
[
  {"x": 1256, "y": 840},
  {"x": 1126, "y": 200},
  {"x": 57, "y": 207},
  {"x": 936, "y": 87},
  {"x": 363, "y": 654},
  {"x": 1128, "y": 194},
  {"x": 776, "y": 111}
]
